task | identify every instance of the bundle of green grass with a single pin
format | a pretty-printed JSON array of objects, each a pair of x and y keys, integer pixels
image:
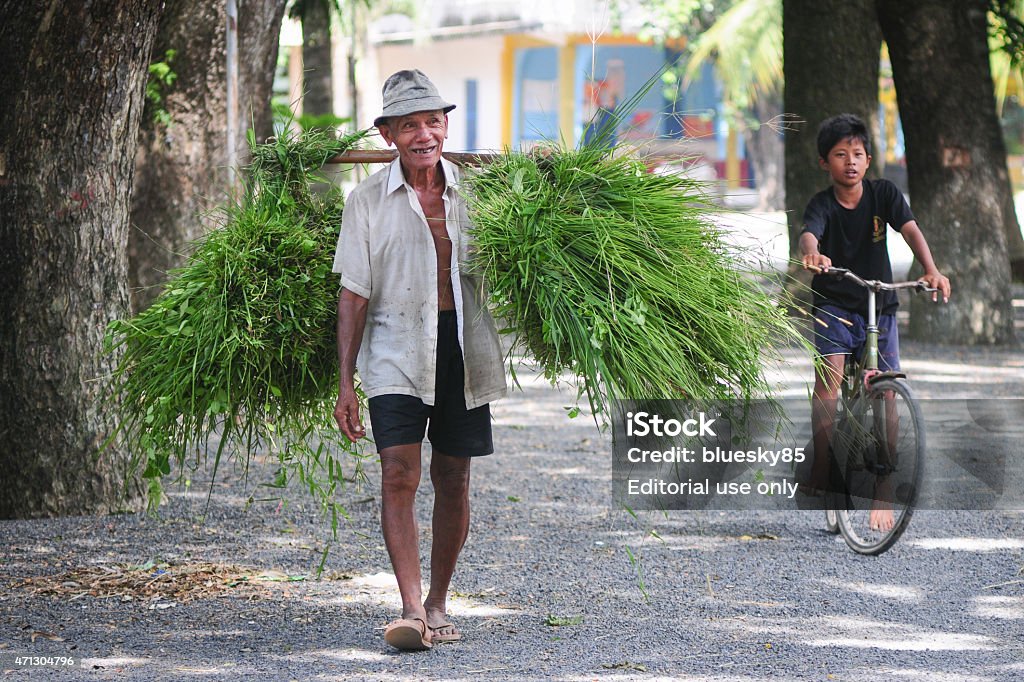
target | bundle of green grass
[
  {"x": 617, "y": 277},
  {"x": 240, "y": 344}
]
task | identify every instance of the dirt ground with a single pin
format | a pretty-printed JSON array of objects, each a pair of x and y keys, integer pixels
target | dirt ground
[{"x": 553, "y": 584}]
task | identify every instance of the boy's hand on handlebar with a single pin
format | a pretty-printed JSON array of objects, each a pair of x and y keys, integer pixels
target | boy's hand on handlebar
[
  {"x": 937, "y": 280},
  {"x": 816, "y": 262}
]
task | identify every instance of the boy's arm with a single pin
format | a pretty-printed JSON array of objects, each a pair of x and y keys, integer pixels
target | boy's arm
[
  {"x": 812, "y": 259},
  {"x": 932, "y": 277}
]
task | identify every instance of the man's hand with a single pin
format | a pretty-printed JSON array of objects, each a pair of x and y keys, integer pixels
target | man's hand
[
  {"x": 937, "y": 280},
  {"x": 346, "y": 413},
  {"x": 816, "y": 262}
]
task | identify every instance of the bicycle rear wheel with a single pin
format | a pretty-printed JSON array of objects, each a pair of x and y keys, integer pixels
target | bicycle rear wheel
[{"x": 883, "y": 467}]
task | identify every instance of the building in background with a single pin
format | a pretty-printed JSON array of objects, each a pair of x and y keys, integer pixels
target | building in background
[{"x": 525, "y": 71}]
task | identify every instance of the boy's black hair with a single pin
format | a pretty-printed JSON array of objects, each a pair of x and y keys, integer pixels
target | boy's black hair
[{"x": 842, "y": 127}]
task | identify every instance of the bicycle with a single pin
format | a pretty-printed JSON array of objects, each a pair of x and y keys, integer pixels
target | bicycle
[{"x": 878, "y": 440}]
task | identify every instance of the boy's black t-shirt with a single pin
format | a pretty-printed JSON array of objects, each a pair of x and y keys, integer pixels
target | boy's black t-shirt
[{"x": 855, "y": 239}]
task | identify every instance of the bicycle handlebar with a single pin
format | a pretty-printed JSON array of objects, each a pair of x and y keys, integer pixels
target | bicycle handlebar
[{"x": 875, "y": 284}]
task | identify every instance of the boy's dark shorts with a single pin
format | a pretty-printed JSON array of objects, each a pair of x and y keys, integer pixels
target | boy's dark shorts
[
  {"x": 839, "y": 338},
  {"x": 454, "y": 430}
]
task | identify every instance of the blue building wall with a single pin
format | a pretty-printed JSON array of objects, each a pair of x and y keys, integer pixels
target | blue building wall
[
  {"x": 624, "y": 68},
  {"x": 535, "y": 116}
]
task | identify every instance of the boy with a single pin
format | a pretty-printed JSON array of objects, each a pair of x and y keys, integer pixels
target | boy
[{"x": 844, "y": 226}]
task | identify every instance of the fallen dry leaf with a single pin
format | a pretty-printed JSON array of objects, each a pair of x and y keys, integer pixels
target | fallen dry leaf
[{"x": 151, "y": 582}]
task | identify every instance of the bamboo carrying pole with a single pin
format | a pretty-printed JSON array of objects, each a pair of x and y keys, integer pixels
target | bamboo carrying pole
[
  {"x": 389, "y": 155},
  {"x": 458, "y": 158}
]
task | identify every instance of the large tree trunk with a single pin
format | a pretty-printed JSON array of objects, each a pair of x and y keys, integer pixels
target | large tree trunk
[
  {"x": 830, "y": 54},
  {"x": 318, "y": 96},
  {"x": 956, "y": 163},
  {"x": 180, "y": 166},
  {"x": 70, "y": 101}
]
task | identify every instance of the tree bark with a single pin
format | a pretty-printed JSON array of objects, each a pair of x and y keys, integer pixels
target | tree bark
[
  {"x": 70, "y": 101},
  {"x": 830, "y": 59},
  {"x": 259, "y": 29},
  {"x": 181, "y": 166},
  {"x": 318, "y": 95},
  {"x": 956, "y": 164}
]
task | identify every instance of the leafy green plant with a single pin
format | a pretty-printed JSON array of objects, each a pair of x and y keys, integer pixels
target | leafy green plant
[
  {"x": 617, "y": 277},
  {"x": 237, "y": 354},
  {"x": 161, "y": 76}
]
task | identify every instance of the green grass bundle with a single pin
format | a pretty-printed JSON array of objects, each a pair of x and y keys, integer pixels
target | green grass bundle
[
  {"x": 241, "y": 342},
  {"x": 617, "y": 277}
]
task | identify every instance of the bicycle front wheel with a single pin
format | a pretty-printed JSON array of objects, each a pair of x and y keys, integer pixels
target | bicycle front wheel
[{"x": 882, "y": 483}]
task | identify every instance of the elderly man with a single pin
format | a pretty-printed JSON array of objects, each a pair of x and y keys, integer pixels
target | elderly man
[{"x": 413, "y": 319}]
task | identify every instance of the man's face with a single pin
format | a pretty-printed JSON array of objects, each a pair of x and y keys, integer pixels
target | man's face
[
  {"x": 847, "y": 162},
  {"x": 419, "y": 138}
]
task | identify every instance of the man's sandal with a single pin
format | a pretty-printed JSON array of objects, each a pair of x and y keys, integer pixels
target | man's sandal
[{"x": 408, "y": 634}]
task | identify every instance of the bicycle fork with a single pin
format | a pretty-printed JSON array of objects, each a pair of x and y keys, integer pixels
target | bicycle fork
[{"x": 883, "y": 409}]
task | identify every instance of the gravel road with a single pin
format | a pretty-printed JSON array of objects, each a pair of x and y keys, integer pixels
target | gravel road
[{"x": 548, "y": 585}]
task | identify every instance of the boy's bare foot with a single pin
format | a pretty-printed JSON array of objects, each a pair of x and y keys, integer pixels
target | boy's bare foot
[{"x": 881, "y": 517}]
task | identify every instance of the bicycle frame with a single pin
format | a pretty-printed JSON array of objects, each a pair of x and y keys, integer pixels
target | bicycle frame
[
  {"x": 871, "y": 343},
  {"x": 867, "y": 364}
]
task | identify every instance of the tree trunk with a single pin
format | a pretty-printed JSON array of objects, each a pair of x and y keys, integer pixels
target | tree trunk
[
  {"x": 259, "y": 30},
  {"x": 355, "y": 54},
  {"x": 766, "y": 152},
  {"x": 70, "y": 102},
  {"x": 830, "y": 54},
  {"x": 180, "y": 165},
  {"x": 318, "y": 96},
  {"x": 956, "y": 164}
]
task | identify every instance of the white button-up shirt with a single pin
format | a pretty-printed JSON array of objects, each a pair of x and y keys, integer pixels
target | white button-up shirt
[{"x": 386, "y": 254}]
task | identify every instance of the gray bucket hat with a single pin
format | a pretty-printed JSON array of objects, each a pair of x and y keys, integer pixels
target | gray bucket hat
[{"x": 407, "y": 92}]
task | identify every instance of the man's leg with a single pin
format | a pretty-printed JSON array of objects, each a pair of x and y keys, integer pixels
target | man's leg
[
  {"x": 400, "y": 477},
  {"x": 823, "y": 413},
  {"x": 450, "y": 476}
]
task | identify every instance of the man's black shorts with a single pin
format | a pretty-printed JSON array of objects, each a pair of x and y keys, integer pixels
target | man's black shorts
[{"x": 454, "y": 430}]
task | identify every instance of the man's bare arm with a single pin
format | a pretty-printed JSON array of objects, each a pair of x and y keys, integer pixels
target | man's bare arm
[{"x": 351, "y": 322}]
